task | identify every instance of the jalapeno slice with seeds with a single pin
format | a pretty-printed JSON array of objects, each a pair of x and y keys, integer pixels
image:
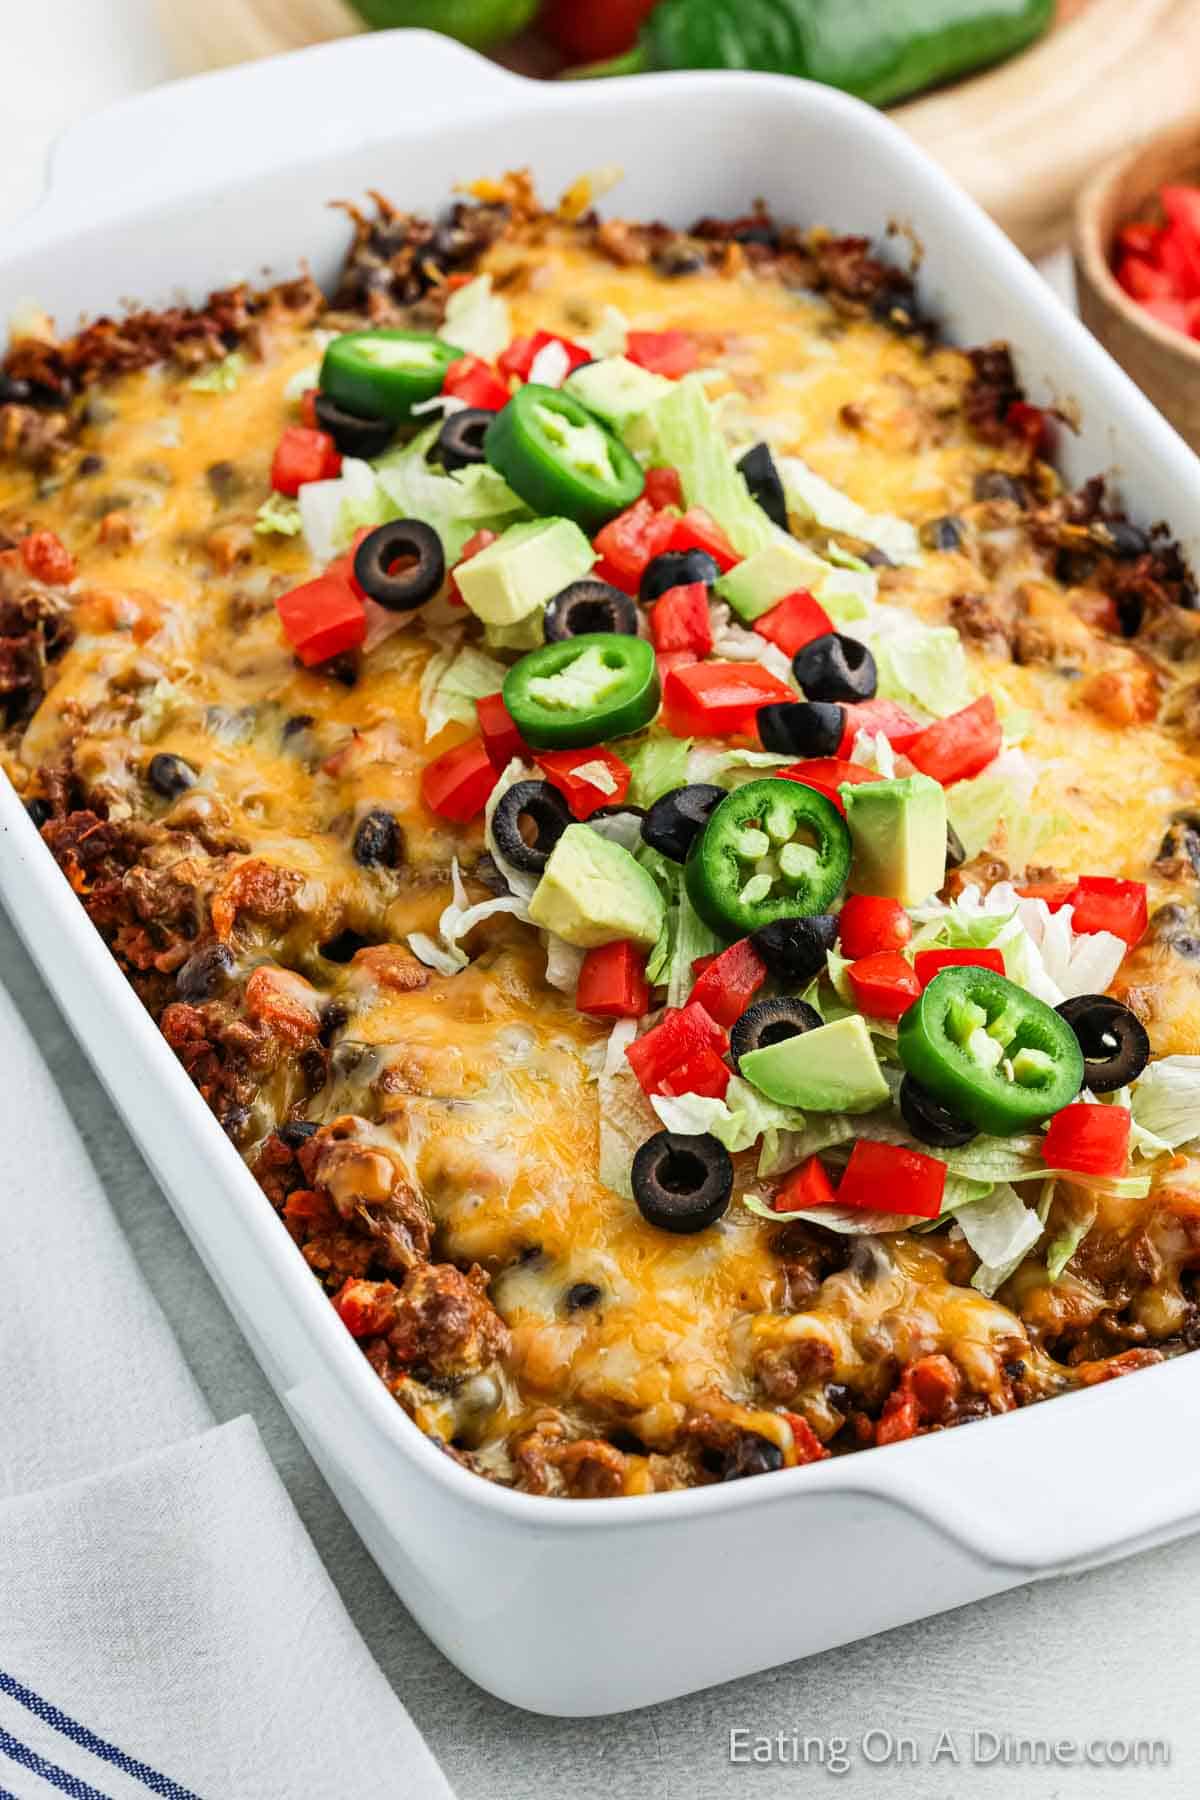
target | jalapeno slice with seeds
[
  {"x": 384, "y": 374},
  {"x": 771, "y": 850},
  {"x": 989, "y": 1051},
  {"x": 560, "y": 459},
  {"x": 583, "y": 690}
]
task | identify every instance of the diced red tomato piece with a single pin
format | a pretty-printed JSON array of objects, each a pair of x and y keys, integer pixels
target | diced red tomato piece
[
  {"x": 343, "y": 566},
  {"x": 956, "y": 748},
  {"x": 1177, "y": 315},
  {"x": 805, "y": 1442},
  {"x": 1182, "y": 233},
  {"x": 1032, "y": 424},
  {"x": 1054, "y": 893},
  {"x": 719, "y": 699},
  {"x": 670, "y": 353},
  {"x": 889, "y": 1178},
  {"x": 794, "y": 621},
  {"x": 697, "y": 531},
  {"x": 679, "y": 1036},
  {"x": 827, "y": 774},
  {"x": 308, "y": 408},
  {"x": 479, "y": 540},
  {"x": 47, "y": 558},
  {"x": 612, "y": 982},
  {"x": 679, "y": 619},
  {"x": 456, "y": 784},
  {"x": 302, "y": 456},
  {"x": 1143, "y": 280},
  {"x": 471, "y": 379},
  {"x": 631, "y": 540},
  {"x": 923, "y": 1395},
  {"x": 884, "y": 985},
  {"x": 663, "y": 487},
  {"x": 1102, "y": 903},
  {"x": 322, "y": 618},
  {"x": 674, "y": 659},
  {"x": 587, "y": 34},
  {"x": 498, "y": 730},
  {"x": 519, "y": 357},
  {"x": 806, "y": 1187},
  {"x": 1090, "y": 1139},
  {"x": 603, "y": 570},
  {"x": 884, "y": 718},
  {"x": 1138, "y": 239},
  {"x": 729, "y": 981},
  {"x": 929, "y": 963},
  {"x": 366, "y": 1307},
  {"x": 704, "y": 1073},
  {"x": 587, "y": 779},
  {"x": 869, "y": 923}
]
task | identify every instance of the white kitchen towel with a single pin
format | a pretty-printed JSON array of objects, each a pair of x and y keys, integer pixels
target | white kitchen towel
[{"x": 166, "y": 1626}]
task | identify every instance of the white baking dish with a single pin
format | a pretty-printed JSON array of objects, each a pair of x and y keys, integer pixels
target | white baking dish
[{"x": 584, "y": 1606}]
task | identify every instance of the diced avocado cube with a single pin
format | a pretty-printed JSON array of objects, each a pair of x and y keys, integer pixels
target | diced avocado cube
[
  {"x": 761, "y": 581},
  {"x": 898, "y": 833},
  {"x": 593, "y": 892},
  {"x": 615, "y": 389},
  {"x": 526, "y": 566},
  {"x": 831, "y": 1069}
]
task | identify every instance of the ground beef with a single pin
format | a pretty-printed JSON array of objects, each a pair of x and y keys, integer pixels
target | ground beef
[
  {"x": 369, "y": 1193},
  {"x": 226, "y": 1057},
  {"x": 991, "y": 391},
  {"x": 445, "y": 1323},
  {"x": 398, "y": 257}
]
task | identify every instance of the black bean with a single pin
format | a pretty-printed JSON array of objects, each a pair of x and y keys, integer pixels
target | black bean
[
  {"x": 995, "y": 484},
  {"x": 204, "y": 973},
  {"x": 945, "y": 533},
  {"x": 752, "y": 1456},
  {"x": 90, "y": 465},
  {"x": 379, "y": 840},
  {"x": 40, "y": 811},
  {"x": 297, "y": 722},
  {"x": 583, "y": 1294},
  {"x": 14, "y": 391},
  {"x": 296, "y": 1132},
  {"x": 224, "y": 480},
  {"x": 170, "y": 775},
  {"x": 344, "y": 946},
  {"x": 335, "y": 1014}
]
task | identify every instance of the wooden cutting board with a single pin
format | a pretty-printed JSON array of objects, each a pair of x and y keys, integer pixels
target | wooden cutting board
[{"x": 1021, "y": 138}]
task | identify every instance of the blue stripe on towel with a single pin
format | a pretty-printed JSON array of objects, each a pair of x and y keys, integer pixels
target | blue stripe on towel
[
  {"x": 59, "y": 1778},
  {"x": 87, "y": 1740}
]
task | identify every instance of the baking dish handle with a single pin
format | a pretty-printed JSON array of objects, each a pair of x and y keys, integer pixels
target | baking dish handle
[{"x": 234, "y": 123}]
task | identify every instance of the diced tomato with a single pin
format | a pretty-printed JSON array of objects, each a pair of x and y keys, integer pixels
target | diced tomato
[
  {"x": 308, "y": 408},
  {"x": 1177, "y": 315},
  {"x": 670, "y": 353},
  {"x": 1054, "y": 893},
  {"x": 697, "y": 531},
  {"x": 498, "y": 730},
  {"x": 899, "y": 1419},
  {"x": 794, "y": 621},
  {"x": 869, "y": 923},
  {"x": 587, "y": 779},
  {"x": 304, "y": 1206},
  {"x": 929, "y": 963},
  {"x": 612, "y": 982},
  {"x": 603, "y": 570},
  {"x": 47, "y": 558},
  {"x": 1143, "y": 280},
  {"x": 366, "y": 1307},
  {"x": 679, "y": 1036},
  {"x": 1179, "y": 244},
  {"x": 889, "y": 1178},
  {"x": 884, "y": 985},
  {"x": 806, "y": 1444},
  {"x": 471, "y": 379},
  {"x": 1032, "y": 424},
  {"x": 884, "y": 718},
  {"x": 456, "y": 784},
  {"x": 587, "y": 34},
  {"x": 1090, "y": 1139},
  {"x": 729, "y": 981},
  {"x": 301, "y": 456},
  {"x": 827, "y": 774},
  {"x": 719, "y": 699},
  {"x": 924, "y": 1395},
  {"x": 1138, "y": 239},
  {"x": 633, "y": 539},
  {"x": 679, "y": 619},
  {"x": 479, "y": 540},
  {"x": 322, "y": 618},
  {"x": 285, "y": 1003},
  {"x": 663, "y": 487},
  {"x": 704, "y": 1073},
  {"x": 343, "y": 566},
  {"x": 805, "y": 1187},
  {"x": 674, "y": 659},
  {"x": 956, "y": 748},
  {"x": 1102, "y": 903},
  {"x": 519, "y": 357}
]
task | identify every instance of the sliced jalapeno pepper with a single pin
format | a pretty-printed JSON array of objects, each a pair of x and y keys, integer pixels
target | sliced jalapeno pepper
[
  {"x": 561, "y": 459},
  {"x": 989, "y": 1051},
  {"x": 583, "y": 690},
  {"x": 384, "y": 374},
  {"x": 771, "y": 850}
]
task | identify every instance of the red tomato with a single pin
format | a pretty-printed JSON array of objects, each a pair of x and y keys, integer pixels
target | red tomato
[
  {"x": 1090, "y": 1139},
  {"x": 793, "y": 622},
  {"x": 704, "y": 1073},
  {"x": 889, "y": 1178},
  {"x": 1143, "y": 280},
  {"x": 806, "y": 1187},
  {"x": 697, "y": 531},
  {"x": 1102, "y": 903},
  {"x": 884, "y": 985},
  {"x": 519, "y": 357},
  {"x": 679, "y": 620},
  {"x": 589, "y": 32},
  {"x": 956, "y": 748},
  {"x": 729, "y": 981},
  {"x": 826, "y": 774},
  {"x": 498, "y": 730},
  {"x": 1032, "y": 424},
  {"x": 882, "y": 717},
  {"x": 612, "y": 982},
  {"x": 868, "y": 923},
  {"x": 308, "y": 408},
  {"x": 322, "y": 618},
  {"x": 929, "y": 963},
  {"x": 806, "y": 1444},
  {"x": 456, "y": 784},
  {"x": 302, "y": 456},
  {"x": 471, "y": 379},
  {"x": 1054, "y": 893},
  {"x": 680, "y": 1035},
  {"x": 366, "y": 1307},
  {"x": 631, "y": 540},
  {"x": 47, "y": 558},
  {"x": 719, "y": 699},
  {"x": 587, "y": 779},
  {"x": 669, "y": 353},
  {"x": 663, "y": 487}
]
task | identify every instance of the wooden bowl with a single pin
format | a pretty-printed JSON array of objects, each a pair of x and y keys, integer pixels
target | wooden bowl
[{"x": 1164, "y": 363}]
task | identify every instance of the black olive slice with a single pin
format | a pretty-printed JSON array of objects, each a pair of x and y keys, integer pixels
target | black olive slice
[
  {"x": 929, "y": 1121},
  {"x": 540, "y": 808},
  {"x": 170, "y": 775},
  {"x": 770, "y": 1022},
  {"x": 945, "y": 533},
  {"x": 407, "y": 542},
  {"x": 996, "y": 484},
  {"x": 836, "y": 667},
  {"x": 675, "y": 821},
  {"x": 761, "y": 476},
  {"x": 379, "y": 840},
  {"x": 460, "y": 441},
  {"x": 1113, "y": 1039},
  {"x": 956, "y": 850},
  {"x": 676, "y": 568},
  {"x": 680, "y": 1183},
  {"x": 590, "y": 606},
  {"x": 802, "y": 727},
  {"x": 796, "y": 949},
  {"x": 354, "y": 436}
]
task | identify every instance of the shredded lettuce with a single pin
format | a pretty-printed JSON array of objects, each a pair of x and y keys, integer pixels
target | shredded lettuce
[
  {"x": 1003, "y": 792},
  {"x": 1166, "y": 1100},
  {"x": 691, "y": 939},
  {"x": 737, "y": 644},
  {"x": 458, "y": 918},
  {"x": 451, "y": 682},
  {"x": 689, "y": 438},
  {"x": 848, "y": 595},
  {"x": 927, "y": 664},
  {"x": 727, "y": 768},
  {"x": 737, "y": 1121},
  {"x": 852, "y": 1221},
  {"x": 280, "y": 516},
  {"x": 1041, "y": 950},
  {"x": 812, "y": 497},
  {"x": 626, "y": 1117},
  {"x": 610, "y": 336},
  {"x": 455, "y": 505},
  {"x": 325, "y": 505},
  {"x": 563, "y": 963},
  {"x": 1001, "y": 1230},
  {"x": 477, "y": 319},
  {"x": 220, "y": 377},
  {"x": 1063, "y": 1247},
  {"x": 658, "y": 764}
]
